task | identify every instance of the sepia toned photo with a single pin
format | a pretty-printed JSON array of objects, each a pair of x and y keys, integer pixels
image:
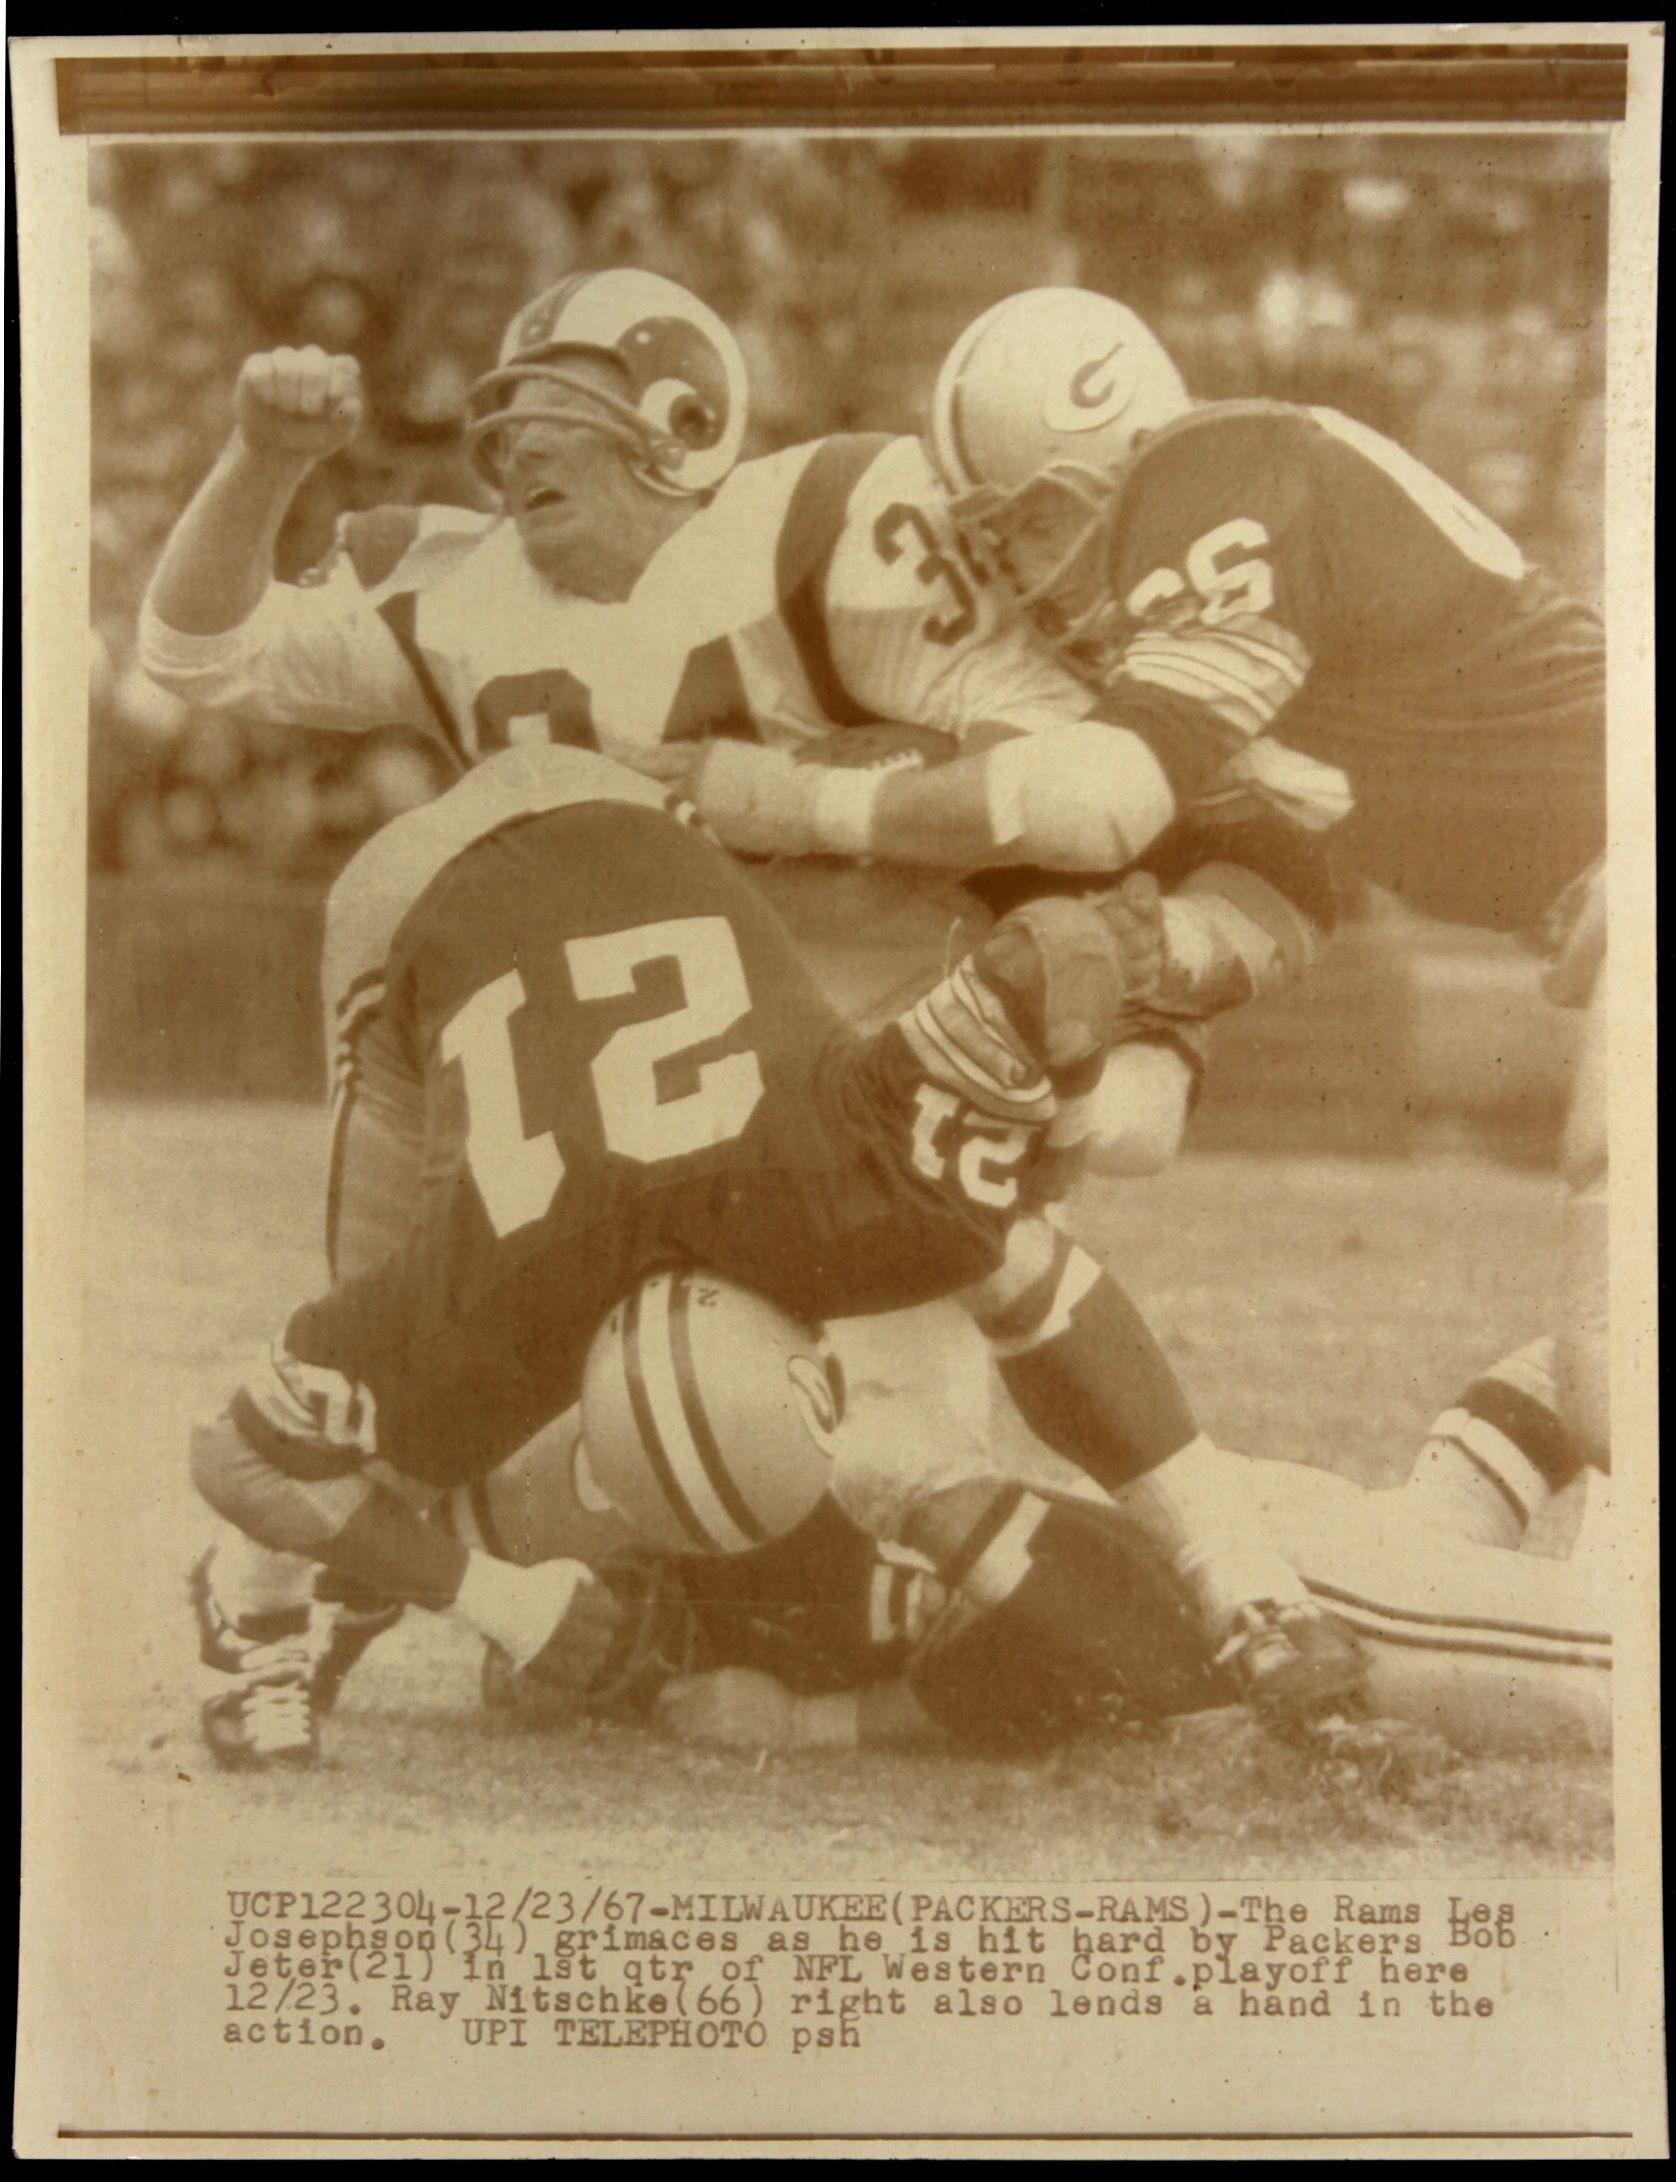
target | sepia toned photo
[{"x": 837, "y": 1205}]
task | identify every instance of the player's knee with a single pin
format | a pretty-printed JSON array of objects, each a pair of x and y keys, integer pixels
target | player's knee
[
  {"x": 252, "y": 1492},
  {"x": 285, "y": 1463},
  {"x": 1033, "y": 1292}
]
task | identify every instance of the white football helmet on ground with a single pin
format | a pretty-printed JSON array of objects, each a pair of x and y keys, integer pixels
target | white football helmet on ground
[
  {"x": 680, "y": 419},
  {"x": 708, "y": 1414},
  {"x": 1036, "y": 415}
]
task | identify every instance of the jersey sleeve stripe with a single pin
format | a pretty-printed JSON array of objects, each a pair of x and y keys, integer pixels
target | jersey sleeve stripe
[
  {"x": 808, "y": 539},
  {"x": 357, "y": 986},
  {"x": 1244, "y": 714},
  {"x": 1236, "y": 669},
  {"x": 399, "y": 615},
  {"x": 711, "y": 700},
  {"x": 945, "y": 1062},
  {"x": 1237, "y": 653},
  {"x": 1263, "y": 639},
  {"x": 1531, "y": 1425}
]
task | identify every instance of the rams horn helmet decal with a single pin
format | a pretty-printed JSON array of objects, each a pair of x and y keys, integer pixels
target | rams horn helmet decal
[{"x": 680, "y": 418}]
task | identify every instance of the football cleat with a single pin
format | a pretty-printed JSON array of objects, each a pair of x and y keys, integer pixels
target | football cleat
[
  {"x": 1385, "y": 1754},
  {"x": 1294, "y": 1664},
  {"x": 257, "y": 1708}
]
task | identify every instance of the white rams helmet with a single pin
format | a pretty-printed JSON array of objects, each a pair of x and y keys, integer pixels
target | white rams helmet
[
  {"x": 1039, "y": 407},
  {"x": 708, "y": 1414},
  {"x": 680, "y": 419}
]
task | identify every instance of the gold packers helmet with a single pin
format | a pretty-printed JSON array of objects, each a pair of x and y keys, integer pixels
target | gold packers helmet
[
  {"x": 680, "y": 419},
  {"x": 1036, "y": 414},
  {"x": 708, "y": 1414}
]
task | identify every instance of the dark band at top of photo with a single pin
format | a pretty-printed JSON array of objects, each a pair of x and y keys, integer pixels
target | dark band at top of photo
[{"x": 840, "y": 87}]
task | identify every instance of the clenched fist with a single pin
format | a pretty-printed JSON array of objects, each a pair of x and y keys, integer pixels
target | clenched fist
[{"x": 298, "y": 402}]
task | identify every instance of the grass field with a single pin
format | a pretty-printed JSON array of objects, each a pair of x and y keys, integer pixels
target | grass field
[{"x": 1318, "y": 1309}]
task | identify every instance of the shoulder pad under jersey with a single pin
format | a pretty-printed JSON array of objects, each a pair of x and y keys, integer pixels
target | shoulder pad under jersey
[{"x": 403, "y": 548}]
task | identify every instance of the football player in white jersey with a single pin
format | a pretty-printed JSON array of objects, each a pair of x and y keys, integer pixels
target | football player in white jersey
[{"x": 637, "y": 586}]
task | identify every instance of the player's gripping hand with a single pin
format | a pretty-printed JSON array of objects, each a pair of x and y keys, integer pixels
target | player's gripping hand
[
  {"x": 585, "y": 1619},
  {"x": 1134, "y": 915},
  {"x": 300, "y": 403},
  {"x": 1065, "y": 971},
  {"x": 731, "y": 1708}
]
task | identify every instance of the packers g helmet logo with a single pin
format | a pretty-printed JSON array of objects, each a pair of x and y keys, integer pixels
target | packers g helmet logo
[
  {"x": 1097, "y": 392},
  {"x": 817, "y": 1397}
]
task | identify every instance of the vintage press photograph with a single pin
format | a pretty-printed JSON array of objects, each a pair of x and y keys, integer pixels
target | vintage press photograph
[{"x": 846, "y": 1053}]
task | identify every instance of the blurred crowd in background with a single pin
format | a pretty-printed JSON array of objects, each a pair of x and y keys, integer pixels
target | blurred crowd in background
[{"x": 1451, "y": 294}]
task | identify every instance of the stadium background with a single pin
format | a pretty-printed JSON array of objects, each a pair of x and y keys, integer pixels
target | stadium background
[{"x": 1451, "y": 294}]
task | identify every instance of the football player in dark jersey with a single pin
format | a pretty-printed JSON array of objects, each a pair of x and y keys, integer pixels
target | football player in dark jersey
[
  {"x": 625, "y": 1064},
  {"x": 1278, "y": 609},
  {"x": 824, "y": 1637}
]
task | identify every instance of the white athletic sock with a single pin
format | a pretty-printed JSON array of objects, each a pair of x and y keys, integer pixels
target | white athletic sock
[
  {"x": 1190, "y": 1505},
  {"x": 516, "y": 1608},
  {"x": 1496, "y": 1456},
  {"x": 1450, "y": 1490},
  {"x": 251, "y": 1582}
]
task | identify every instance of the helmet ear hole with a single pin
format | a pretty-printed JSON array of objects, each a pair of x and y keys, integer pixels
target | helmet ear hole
[{"x": 691, "y": 420}]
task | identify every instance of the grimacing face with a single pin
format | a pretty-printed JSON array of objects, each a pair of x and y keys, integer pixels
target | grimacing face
[
  {"x": 586, "y": 522},
  {"x": 1047, "y": 546}
]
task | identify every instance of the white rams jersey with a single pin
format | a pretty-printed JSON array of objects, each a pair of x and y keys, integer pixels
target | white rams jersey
[{"x": 821, "y": 586}]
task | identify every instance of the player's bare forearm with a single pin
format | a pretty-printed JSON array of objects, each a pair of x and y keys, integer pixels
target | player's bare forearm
[
  {"x": 292, "y": 408},
  {"x": 941, "y": 817},
  {"x": 219, "y": 557},
  {"x": 1084, "y": 796}
]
